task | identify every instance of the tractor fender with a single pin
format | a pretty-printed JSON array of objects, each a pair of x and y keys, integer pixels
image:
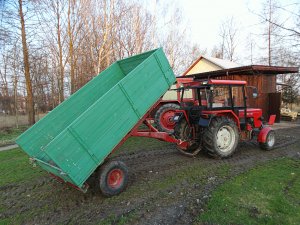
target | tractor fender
[{"x": 262, "y": 136}]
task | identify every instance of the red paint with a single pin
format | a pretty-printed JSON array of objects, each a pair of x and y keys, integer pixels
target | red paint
[
  {"x": 115, "y": 178},
  {"x": 228, "y": 113},
  {"x": 183, "y": 145},
  {"x": 60, "y": 180},
  {"x": 249, "y": 127},
  {"x": 227, "y": 82},
  {"x": 163, "y": 136},
  {"x": 262, "y": 136},
  {"x": 272, "y": 119},
  {"x": 166, "y": 119},
  {"x": 256, "y": 114}
]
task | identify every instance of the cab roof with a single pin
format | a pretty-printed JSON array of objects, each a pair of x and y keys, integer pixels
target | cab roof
[{"x": 227, "y": 82}]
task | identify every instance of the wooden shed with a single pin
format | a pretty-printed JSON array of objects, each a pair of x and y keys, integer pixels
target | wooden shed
[{"x": 262, "y": 77}]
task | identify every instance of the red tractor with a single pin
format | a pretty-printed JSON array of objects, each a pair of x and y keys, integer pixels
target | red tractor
[{"x": 217, "y": 117}]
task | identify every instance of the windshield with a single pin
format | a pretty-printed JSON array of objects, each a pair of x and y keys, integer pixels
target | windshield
[{"x": 191, "y": 96}]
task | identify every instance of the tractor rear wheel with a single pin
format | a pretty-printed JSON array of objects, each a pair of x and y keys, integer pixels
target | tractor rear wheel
[
  {"x": 112, "y": 178},
  {"x": 164, "y": 117},
  {"x": 270, "y": 141},
  {"x": 183, "y": 132},
  {"x": 221, "y": 137}
]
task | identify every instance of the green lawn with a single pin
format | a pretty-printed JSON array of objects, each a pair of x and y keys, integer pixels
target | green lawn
[
  {"x": 15, "y": 167},
  {"x": 9, "y": 135},
  {"x": 268, "y": 194}
]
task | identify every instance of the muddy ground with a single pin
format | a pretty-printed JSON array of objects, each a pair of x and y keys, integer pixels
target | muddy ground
[{"x": 165, "y": 187}]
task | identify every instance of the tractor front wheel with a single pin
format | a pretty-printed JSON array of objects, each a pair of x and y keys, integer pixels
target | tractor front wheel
[
  {"x": 112, "y": 178},
  {"x": 221, "y": 137},
  {"x": 270, "y": 141},
  {"x": 183, "y": 131},
  {"x": 164, "y": 117}
]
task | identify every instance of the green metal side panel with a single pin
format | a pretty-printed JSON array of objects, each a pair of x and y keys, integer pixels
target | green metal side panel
[
  {"x": 35, "y": 139},
  {"x": 82, "y": 140}
]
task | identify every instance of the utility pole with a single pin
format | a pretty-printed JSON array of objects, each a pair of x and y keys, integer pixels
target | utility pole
[{"x": 269, "y": 33}]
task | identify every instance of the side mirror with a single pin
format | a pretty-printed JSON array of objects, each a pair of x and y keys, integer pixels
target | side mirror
[{"x": 255, "y": 93}]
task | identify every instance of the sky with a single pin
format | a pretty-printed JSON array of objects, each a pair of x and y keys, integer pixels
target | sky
[{"x": 204, "y": 17}]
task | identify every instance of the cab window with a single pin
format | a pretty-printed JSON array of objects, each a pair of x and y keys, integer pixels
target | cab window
[
  {"x": 238, "y": 96},
  {"x": 220, "y": 96}
]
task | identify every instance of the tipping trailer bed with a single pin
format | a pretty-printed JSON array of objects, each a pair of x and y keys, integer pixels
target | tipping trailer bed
[{"x": 72, "y": 140}]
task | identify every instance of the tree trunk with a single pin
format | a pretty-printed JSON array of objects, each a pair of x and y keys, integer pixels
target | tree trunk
[
  {"x": 61, "y": 66},
  {"x": 71, "y": 49},
  {"x": 30, "y": 101}
]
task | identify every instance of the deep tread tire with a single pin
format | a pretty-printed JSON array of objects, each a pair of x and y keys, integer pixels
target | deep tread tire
[
  {"x": 212, "y": 135},
  {"x": 182, "y": 132},
  {"x": 269, "y": 144},
  {"x": 112, "y": 178},
  {"x": 162, "y": 114}
]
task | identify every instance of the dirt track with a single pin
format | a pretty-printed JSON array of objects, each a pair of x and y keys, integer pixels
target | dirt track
[{"x": 165, "y": 187}]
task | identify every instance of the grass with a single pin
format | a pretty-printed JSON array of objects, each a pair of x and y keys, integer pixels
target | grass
[
  {"x": 268, "y": 194},
  {"x": 15, "y": 167},
  {"x": 134, "y": 144},
  {"x": 9, "y": 135}
]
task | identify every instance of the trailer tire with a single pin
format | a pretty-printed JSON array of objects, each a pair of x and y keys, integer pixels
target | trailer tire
[
  {"x": 112, "y": 178},
  {"x": 221, "y": 138},
  {"x": 270, "y": 141},
  {"x": 163, "y": 117}
]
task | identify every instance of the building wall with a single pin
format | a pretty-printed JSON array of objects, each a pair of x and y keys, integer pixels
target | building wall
[
  {"x": 170, "y": 94},
  {"x": 203, "y": 66}
]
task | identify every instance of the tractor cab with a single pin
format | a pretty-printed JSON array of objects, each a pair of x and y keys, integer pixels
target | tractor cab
[{"x": 214, "y": 97}]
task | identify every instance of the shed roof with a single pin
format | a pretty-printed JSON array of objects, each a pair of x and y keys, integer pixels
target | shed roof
[
  {"x": 246, "y": 70},
  {"x": 222, "y": 63}
]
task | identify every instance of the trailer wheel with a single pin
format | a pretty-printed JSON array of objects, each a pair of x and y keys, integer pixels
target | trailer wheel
[
  {"x": 112, "y": 178},
  {"x": 270, "y": 141},
  {"x": 221, "y": 137},
  {"x": 164, "y": 117}
]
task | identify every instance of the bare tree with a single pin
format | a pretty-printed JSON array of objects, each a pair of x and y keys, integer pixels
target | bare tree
[
  {"x": 281, "y": 23},
  {"x": 65, "y": 43},
  {"x": 30, "y": 102},
  {"x": 229, "y": 39}
]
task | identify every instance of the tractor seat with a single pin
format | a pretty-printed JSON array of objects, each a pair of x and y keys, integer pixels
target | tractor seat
[{"x": 194, "y": 113}]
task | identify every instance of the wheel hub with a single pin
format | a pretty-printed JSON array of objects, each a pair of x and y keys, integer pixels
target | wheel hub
[
  {"x": 115, "y": 178},
  {"x": 167, "y": 119},
  {"x": 271, "y": 139},
  {"x": 225, "y": 138}
]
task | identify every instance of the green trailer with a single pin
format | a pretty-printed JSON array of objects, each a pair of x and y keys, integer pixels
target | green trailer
[{"x": 75, "y": 139}]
